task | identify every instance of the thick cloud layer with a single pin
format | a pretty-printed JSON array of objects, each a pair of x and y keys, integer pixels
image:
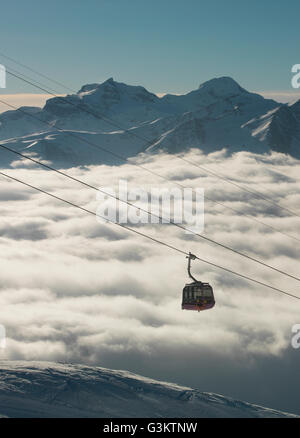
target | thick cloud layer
[{"x": 75, "y": 290}]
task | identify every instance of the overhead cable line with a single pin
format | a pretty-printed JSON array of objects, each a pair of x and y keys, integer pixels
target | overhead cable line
[
  {"x": 100, "y": 116},
  {"x": 36, "y": 72},
  {"x": 71, "y": 134},
  {"x": 174, "y": 248},
  {"x": 245, "y": 189},
  {"x": 222, "y": 245}
]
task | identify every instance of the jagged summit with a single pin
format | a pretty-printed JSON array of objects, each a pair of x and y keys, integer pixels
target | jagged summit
[
  {"x": 108, "y": 98},
  {"x": 87, "y": 88},
  {"x": 92, "y": 87},
  {"x": 112, "y": 85},
  {"x": 220, "y": 85}
]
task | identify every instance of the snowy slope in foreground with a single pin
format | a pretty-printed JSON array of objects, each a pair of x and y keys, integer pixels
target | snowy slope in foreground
[{"x": 43, "y": 389}]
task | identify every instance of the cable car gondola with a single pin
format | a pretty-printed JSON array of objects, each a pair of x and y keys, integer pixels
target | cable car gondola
[{"x": 197, "y": 295}]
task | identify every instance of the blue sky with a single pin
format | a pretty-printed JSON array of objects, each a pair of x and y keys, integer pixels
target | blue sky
[{"x": 165, "y": 45}]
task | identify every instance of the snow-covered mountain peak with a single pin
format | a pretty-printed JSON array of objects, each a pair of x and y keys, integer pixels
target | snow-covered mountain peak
[
  {"x": 220, "y": 113},
  {"x": 93, "y": 87},
  {"x": 111, "y": 89},
  {"x": 109, "y": 97},
  {"x": 223, "y": 86},
  {"x": 88, "y": 88}
]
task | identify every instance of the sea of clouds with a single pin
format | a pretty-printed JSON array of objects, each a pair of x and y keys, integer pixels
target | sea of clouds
[{"x": 75, "y": 290}]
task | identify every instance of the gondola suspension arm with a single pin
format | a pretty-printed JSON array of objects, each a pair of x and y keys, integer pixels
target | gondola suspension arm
[{"x": 191, "y": 257}]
